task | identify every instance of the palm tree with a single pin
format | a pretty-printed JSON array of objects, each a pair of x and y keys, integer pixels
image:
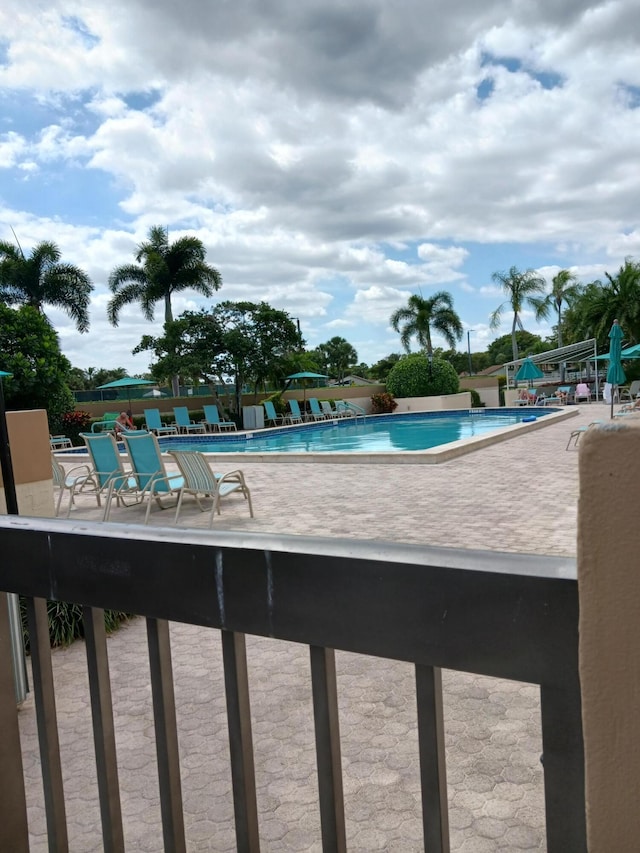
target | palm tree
[
  {"x": 618, "y": 298},
  {"x": 41, "y": 279},
  {"x": 564, "y": 288},
  {"x": 522, "y": 288},
  {"x": 161, "y": 269},
  {"x": 420, "y": 315}
]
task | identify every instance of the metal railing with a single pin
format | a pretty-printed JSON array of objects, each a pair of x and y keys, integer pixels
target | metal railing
[{"x": 504, "y": 615}]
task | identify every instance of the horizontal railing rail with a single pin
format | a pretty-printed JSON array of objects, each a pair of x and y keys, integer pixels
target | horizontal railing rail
[{"x": 504, "y": 615}]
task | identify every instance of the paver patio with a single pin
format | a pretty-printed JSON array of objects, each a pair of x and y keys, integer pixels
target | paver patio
[{"x": 520, "y": 495}]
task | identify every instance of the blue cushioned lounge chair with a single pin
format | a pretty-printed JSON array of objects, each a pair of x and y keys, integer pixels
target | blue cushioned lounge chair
[
  {"x": 316, "y": 412},
  {"x": 183, "y": 422},
  {"x": 295, "y": 415},
  {"x": 154, "y": 423},
  {"x": 154, "y": 482},
  {"x": 200, "y": 480},
  {"x": 212, "y": 420},
  {"x": 271, "y": 416},
  {"x": 111, "y": 477}
]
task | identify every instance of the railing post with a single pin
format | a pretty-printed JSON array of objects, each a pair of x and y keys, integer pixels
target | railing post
[
  {"x": 164, "y": 718},
  {"x": 325, "y": 712},
  {"x": 564, "y": 781},
  {"x": 433, "y": 771},
  {"x": 14, "y": 833},
  {"x": 104, "y": 738},
  {"x": 234, "y": 655},
  {"x": 46, "y": 716}
]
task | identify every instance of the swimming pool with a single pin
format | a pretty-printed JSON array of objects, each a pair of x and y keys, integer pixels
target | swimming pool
[{"x": 410, "y": 432}]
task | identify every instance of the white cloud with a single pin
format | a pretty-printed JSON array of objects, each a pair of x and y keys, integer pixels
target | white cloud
[{"x": 332, "y": 157}]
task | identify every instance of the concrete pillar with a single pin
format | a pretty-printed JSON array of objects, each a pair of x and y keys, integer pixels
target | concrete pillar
[
  {"x": 609, "y": 586},
  {"x": 31, "y": 458}
]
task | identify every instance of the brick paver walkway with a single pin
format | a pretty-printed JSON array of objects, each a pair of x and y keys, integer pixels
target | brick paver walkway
[{"x": 519, "y": 495}]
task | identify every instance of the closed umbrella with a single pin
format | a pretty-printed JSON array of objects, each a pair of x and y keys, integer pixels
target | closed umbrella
[
  {"x": 127, "y": 382},
  {"x": 615, "y": 374},
  {"x": 528, "y": 371},
  {"x": 306, "y": 374}
]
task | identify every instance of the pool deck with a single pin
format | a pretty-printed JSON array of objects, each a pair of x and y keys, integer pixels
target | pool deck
[{"x": 519, "y": 495}]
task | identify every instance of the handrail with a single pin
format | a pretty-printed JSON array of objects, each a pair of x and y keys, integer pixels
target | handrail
[{"x": 511, "y": 616}]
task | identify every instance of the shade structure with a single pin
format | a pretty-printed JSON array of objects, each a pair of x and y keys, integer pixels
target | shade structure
[
  {"x": 127, "y": 382},
  {"x": 528, "y": 371},
  {"x": 155, "y": 392},
  {"x": 615, "y": 374}
]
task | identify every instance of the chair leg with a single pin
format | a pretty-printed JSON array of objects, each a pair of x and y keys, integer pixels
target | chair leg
[{"x": 60, "y": 494}]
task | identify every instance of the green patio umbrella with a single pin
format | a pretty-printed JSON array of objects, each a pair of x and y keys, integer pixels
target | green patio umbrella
[
  {"x": 528, "y": 371},
  {"x": 615, "y": 374},
  {"x": 306, "y": 374},
  {"x": 127, "y": 382}
]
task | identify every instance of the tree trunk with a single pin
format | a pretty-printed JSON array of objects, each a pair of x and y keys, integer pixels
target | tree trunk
[{"x": 168, "y": 318}]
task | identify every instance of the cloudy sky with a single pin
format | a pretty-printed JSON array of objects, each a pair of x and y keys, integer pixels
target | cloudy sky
[{"x": 334, "y": 156}]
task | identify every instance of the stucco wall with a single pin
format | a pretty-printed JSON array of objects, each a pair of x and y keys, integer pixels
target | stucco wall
[
  {"x": 609, "y": 584},
  {"x": 434, "y": 404},
  {"x": 31, "y": 461}
]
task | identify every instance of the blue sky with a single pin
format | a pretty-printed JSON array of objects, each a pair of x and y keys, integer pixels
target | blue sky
[{"x": 334, "y": 158}]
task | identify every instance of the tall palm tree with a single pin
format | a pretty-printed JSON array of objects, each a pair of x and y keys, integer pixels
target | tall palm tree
[
  {"x": 161, "y": 269},
  {"x": 564, "y": 288},
  {"x": 421, "y": 315},
  {"x": 40, "y": 279},
  {"x": 600, "y": 303},
  {"x": 522, "y": 288}
]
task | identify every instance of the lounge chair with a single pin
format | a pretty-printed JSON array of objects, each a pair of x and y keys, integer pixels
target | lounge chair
[
  {"x": 630, "y": 392},
  {"x": 76, "y": 480},
  {"x": 107, "y": 422},
  {"x": 183, "y": 422},
  {"x": 153, "y": 480},
  {"x": 154, "y": 423},
  {"x": 112, "y": 479},
  {"x": 330, "y": 412},
  {"x": 212, "y": 420},
  {"x": 583, "y": 392},
  {"x": 200, "y": 480},
  {"x": 271, "y": 416},
  {"x": 580, "y": 431},
  {"x": 59, "y": 442},
  {"x": 316, "y": 413},
  {"x": 295, "y": 415},
  {"x": 567, "y": 393}
]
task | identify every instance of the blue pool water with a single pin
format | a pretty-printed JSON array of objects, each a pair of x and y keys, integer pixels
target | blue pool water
[{"x": 419, "y": 431}]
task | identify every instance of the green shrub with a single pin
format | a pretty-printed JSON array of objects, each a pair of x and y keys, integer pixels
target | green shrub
[
  {"x": 413, "y": 377},
  {"x": 73, "y": 423},
  {"x": 382, "y": 404},
  {"x": 65, "y": 622}
]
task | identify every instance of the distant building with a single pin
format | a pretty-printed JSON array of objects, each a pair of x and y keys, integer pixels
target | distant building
[{"x": 353, "y": 380}]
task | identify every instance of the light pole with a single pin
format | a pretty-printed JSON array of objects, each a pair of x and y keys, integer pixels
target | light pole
[{"x": 469, "y": 350}]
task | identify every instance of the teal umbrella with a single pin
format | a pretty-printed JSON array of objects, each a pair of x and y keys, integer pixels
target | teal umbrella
[
  {"x": 127, "y": 382},
  {"x": 615, "y": 374},
  {"x": 529, "y": 371},
  {"x": 306, "y": 374}
]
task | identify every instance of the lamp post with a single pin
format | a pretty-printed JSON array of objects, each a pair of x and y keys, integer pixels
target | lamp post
[{"x": 469, "y": 350}]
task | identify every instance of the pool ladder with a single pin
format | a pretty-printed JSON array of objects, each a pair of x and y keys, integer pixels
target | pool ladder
[{"x": 352, "y": 408}]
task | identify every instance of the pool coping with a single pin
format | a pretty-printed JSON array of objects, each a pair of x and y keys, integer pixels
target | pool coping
[{"x": 431, "y": 456}]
